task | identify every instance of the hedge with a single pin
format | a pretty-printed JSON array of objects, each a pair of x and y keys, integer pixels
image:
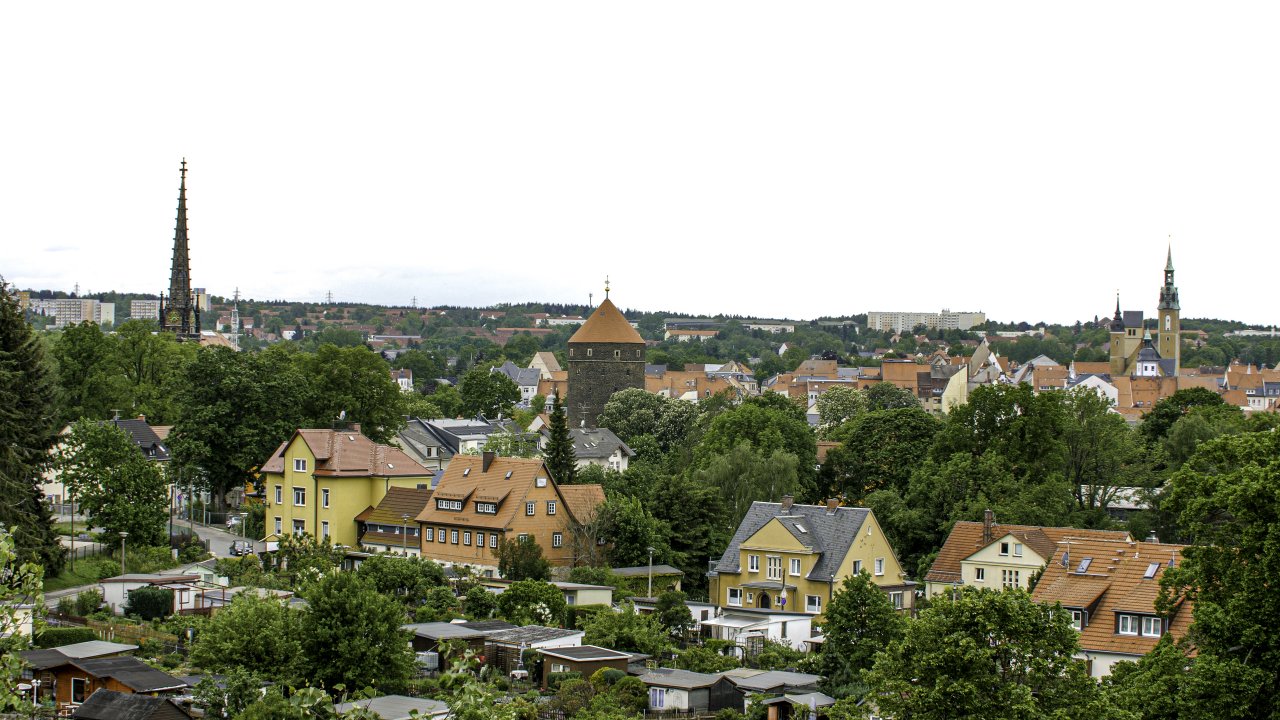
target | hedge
[{"x": 58, "y": 636}]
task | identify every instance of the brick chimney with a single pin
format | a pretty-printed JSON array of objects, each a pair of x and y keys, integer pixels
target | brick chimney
[
  {"x": 486, "y": 459},
  {"x": 988, "y": 522},
  {"x": 787, "y": 501},
  {"x": 832, "y": 504}
]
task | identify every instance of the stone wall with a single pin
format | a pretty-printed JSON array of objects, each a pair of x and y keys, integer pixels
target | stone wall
[{"x": 596, "y": 372}]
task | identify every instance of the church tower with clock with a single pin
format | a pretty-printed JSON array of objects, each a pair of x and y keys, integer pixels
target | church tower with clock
[
  {"x": 179, "y": 313},
  {"x": 1170, "y": 344}
]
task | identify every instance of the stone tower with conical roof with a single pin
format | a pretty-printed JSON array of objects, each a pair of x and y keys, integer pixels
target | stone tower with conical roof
[
  {"x": 606, "y": 355},
  {"x": 178, "y": 312}
]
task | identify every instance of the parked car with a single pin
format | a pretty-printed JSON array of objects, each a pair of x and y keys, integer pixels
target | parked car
[
  {"x": 234, "y": 521},
  {"x": 241, "y": 547}
]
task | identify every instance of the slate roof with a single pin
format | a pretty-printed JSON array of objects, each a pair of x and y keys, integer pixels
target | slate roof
[
  {"x": 347, "y": 453},
  {"x": 1133, "y": 318},
  {"x": 606, "y": 325},
  {"x": 524, "y": 377},
  {"x": 1113, "y": 583},
  {"x": 145, "y": 438},
  {"x": 130, "y": 672},
  {"x": 965, "y": 539},
  {"x": 106, "y": 704},
  {"x": 830, "y": 534},
  {"x": 53, "y": 657},
  {"x": 597, "y": 444}
]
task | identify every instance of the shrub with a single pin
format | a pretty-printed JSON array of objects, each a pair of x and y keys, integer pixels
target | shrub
[
  {"x": 67, "y": 605},
  {"x": 88, "y": 602},
  {"x": 59, "y": 636},
  {"x": 556, "y": 678},
  {"x": 149, "y": 603}
]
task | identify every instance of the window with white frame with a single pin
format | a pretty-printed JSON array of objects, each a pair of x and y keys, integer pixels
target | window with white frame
[
  {"x": 1011, "y": 579},
  {"x": 440, "y": 535},
  {"x": 442, "y": 504},
  {"x": 479, "y": 539},
  {"x": 795, "y": 567},
  {"x": 530, "y": 508},
  {"x": 299, "y": 464},
  {"x": 551, "y": 507},
  {"x": 559, "y": 667},
  {"x": 299, "y": 527},
  {"x": 813, "y": 603},
  {"x": 980, "y": 574},
  {"x": 487, "y": 508},
  {"x": 1152, "y": 626},
  {"x": 324, "y": 528},
  {"x": 1077, "y": 619},
  {"x": 431, "y": 534},
  {"x": 1127, "y": 625},
  {"x": 453, "y": 536},
  {"x": 279, "y": 528},
  {"x": 857, "y": 566},
  {"x": 1004, "y": 549},
  {"x": 466, "y": 537},
  {"x": 324, "y": 497},
  {"x": 657, "y": 695},
  {"x": 879, "y": 566},
  {"x": 299, "y": 496},
  {"x": 557, "y": 540},
  {"x": 279, "y": 494},
  {"x": 773, "y": 564},
  {"x": 895, "y": 597},
  {"x": 493, "y": 540},
  {"x": 753, "y": 563},
  {"x": 1017, "y": 549},
  {"x": 735, "y": 597}
]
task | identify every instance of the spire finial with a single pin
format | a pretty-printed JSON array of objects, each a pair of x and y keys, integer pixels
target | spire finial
[
  {"x": 184, "y": 170},
  {"x": 1168, "y": 265},
  {"x": 606, "y": 287}
]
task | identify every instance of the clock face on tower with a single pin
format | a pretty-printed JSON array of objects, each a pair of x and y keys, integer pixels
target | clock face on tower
[
  {"x": 174, "y": 318},
  {"x": 1168, "y": 323}
]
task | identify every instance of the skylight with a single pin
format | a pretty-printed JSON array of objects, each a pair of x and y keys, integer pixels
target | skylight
[
  {"x": 466, "y": 472},
  {"x": 1084, "y": 565},
  {"x": 1151, "y": 571},
  {"x": 801, "y": 528}
]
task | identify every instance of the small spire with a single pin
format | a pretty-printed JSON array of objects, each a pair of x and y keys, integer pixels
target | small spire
[
  {"x": 184, "y": 171},
  {"x": 1168, "y": 265},
  {"x": 606, "y": 287}
]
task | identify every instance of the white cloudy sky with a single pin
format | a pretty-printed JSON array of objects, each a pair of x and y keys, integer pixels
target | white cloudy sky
[{"x": 780, "y": 159}]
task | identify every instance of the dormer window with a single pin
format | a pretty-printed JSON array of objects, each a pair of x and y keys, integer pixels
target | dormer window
[
  {"x": 487, "y": 508},
  {"x": 442, "y": 504}
]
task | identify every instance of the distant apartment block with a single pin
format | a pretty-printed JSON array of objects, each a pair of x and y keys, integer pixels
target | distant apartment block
[
  {"x": 144, "y": 309},
  {"x": 73, "y": 311},
  {"x": 945, "y": 320}
]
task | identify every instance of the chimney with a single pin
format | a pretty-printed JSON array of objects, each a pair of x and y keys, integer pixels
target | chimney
[
  {"x": 143, "y": 418},
  {"x": 988, "y": 522},
  {"x": 787, "y": 500},
  {"x": 1152, "y": 537},
  {"x": 486, "y": 459},
  {"x": 832, "y": 504},
  {"x": 355, "y": 428}
]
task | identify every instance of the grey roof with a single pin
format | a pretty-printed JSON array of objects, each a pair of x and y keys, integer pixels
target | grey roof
[
  {"x": 643, "y": 571},
  {"x": 597, "y": 443},
  {"x": 777, "y": 679},
  {"x": 106, "y": 704},
  {"x": 145, "y": 438},
  {"x": 828, "y": 534},
  {"x": 488, "y": 626},
  {"x": 523, "y": 377},
  {"x": 1148, "y": 354},
  {"x": 530, "y": 634},
  {"x": 1168, "y": 367},
  {"x": 1133, "y": 318},
  {"x": 130, "y": 672},
  {"x": 397, "y": 707},
  {"x": 91, "y": 649},
  {"x": 442, "y": 631},
  {"x": 586, "y": 653},
  {"x": 671, "y": 677}
]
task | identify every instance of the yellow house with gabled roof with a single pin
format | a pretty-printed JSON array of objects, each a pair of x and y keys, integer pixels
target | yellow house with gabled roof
[
  {"x": 318, "y": 481},
  {"x": 788, "y": 557}
]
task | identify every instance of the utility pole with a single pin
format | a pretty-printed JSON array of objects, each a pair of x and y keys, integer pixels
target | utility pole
[
  {"x": 650, "y": 571},
  {"x": 123, "y": 535}
]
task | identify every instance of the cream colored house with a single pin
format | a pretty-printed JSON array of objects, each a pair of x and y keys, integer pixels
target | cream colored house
[
  {"x": 1000, "y": 557},
  {"x": 791, "y": 558}
]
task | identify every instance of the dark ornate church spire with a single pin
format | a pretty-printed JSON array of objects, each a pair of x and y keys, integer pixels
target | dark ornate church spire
[{"x": 179, "y": 315}]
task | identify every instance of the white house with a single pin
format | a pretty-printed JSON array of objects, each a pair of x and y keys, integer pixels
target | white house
[
  {"x": 743, "y": 626},
  {"x": 186, "y": 593}
]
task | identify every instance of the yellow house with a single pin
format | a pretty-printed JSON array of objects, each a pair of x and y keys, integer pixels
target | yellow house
[
  {"x": 318, "y": 481},
  {"x": 788, "y": 557}
]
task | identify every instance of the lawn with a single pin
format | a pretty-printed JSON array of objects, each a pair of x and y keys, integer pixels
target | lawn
[{"x": 85, "y": 574}]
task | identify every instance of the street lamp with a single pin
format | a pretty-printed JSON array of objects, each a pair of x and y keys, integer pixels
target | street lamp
[
  {"x": 650, "y": 571},
  {"x": 123, "y": 535},
  {"x": 404, "y": 534}
]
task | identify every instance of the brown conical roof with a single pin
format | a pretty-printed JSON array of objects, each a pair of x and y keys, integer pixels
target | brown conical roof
[{"x": 606, "y": 325}]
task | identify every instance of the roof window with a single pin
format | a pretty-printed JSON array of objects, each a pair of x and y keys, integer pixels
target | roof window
[
  {"x": 507, "y": 476},
  {"x": 1084, "y": 565},
  {"x": 801, "y": 528},
  {"x": 1151, "y": 571},
  {"x": 466, "y": 472}
]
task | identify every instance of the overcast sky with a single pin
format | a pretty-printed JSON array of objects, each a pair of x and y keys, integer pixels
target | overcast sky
[{"x": 776, "y": 159}]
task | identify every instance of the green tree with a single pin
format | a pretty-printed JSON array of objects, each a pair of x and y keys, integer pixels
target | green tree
[
  {"x": 673, "y": 615},
  {"x": 633, "y": 529},
  {"x": 256, "y": 634},
  {"x": 426, "y": 366},
  {"x": 149, "y": 603},
  {"x": 487, "y": 393},
  {"x": 837, "y": 406},
  {"x": 28, "y": 432},
  {"x": 231, "y": 695},
  {"x": 767, "y": 424},
  {"x": 236, "y": 410},
  {"x": 1101, "y": 452},
  {"x": 153, "y": 363},
  {"x": 628, "y": 631},
  {"x": 509, "y": 441},
  {"x": 479, "y": 603},
  {"x": 407, "y": 578},
  {"x": 860, "y": 621},
  {"x": 986, "y": 654},
  {"x": 354, "y": 382},
  {"x": 531, "y": 602},
  {"x": 1166, "y": 411},
  {"x": 887, "y": 396},
  {"x": 1227, "y": 499},
  {"x": 878, "y": 450},
  {"x": 561, "y": 461},
  {"x": 20, "y": 583},
  {"x": 119, "y": 488},
  {"x": 350, "y": 634},
  {"x": 1198, "y": 425},
  {"x": 744, "y": 475},
  {"x": 522, "y": 559},
  {"x": 698, "y": 509},
  {"x": 90, "y": 380}
]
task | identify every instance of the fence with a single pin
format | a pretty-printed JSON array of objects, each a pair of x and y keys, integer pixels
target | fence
[{"x": 87, "y": 550}]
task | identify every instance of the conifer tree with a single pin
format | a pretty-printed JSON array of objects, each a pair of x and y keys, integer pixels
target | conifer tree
[
  {"x": 28, "y": 430},
  {"x": 561, "y": 460}
]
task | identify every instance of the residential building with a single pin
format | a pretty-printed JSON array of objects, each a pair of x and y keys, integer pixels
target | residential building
[
  {"x": 397, "y": 707},
  {"x": 433, "y": 443},
  {"x": 1110, "y": 589},
  {"x": 106, "y": 704},
  {"x": 483, "y": 500},
  {"x": 186, "y": 591},
  {"x": 882, "y": 321},
  {"x": 403, "y": 378},
  {"x": 991, "y": 555},
  {"x": 318, "y": 481},
  {"x": 596, "y": 446},
  {"x": 546, "y": 364},
  {"x": 685, "y": 691},
  {"x": 74, "y": 680},
  {"x": 392, "y": 526},
  {"x": 687, "y": 335},
  {"x": 751, "y": 627},
  {"x": 789, "y": 557},
  {"x": 606, "y": 355},
  {"x": 525, "y": 378},
  {"x": 73, "y": 311}
]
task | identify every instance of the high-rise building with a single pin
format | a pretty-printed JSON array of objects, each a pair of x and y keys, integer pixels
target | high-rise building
[{"x": 179, "y": 313}]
